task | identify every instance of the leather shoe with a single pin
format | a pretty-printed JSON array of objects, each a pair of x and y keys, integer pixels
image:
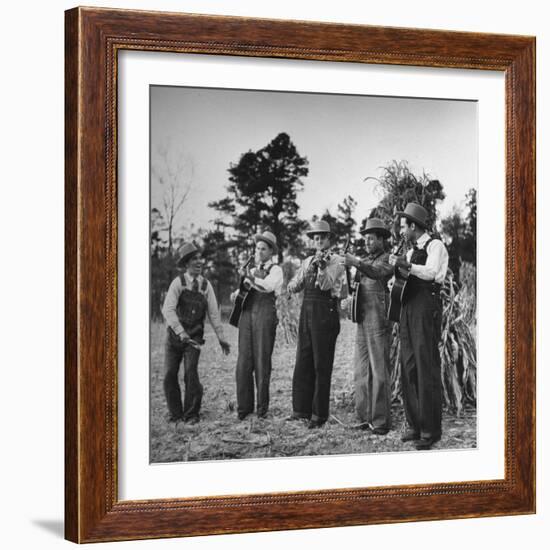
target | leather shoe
[
  {"x": 409, "y": 435},
  {"x": 192, "y": 420},
  {"x": 425, "y": 443},
  {"x": 314, "y": 424},
  {"x": 380, "y": 431},
  {"x": 242, "y": 416}
]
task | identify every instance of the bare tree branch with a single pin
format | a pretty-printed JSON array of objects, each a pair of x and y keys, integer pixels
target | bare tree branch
[{"x": 174, "y": 172}]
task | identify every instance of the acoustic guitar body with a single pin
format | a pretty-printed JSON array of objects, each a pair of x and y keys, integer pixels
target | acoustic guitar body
[
  {"x": 396, "y": 296},
  {"x": 240, "y": 301}
]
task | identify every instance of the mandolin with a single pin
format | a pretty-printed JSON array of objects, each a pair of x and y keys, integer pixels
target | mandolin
[
  {"x": 240, "y": 300},
  {"x": 398, "y": 288}
]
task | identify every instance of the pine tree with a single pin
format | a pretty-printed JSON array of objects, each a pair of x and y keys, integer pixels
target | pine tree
[{"x": 263, "y": 191}]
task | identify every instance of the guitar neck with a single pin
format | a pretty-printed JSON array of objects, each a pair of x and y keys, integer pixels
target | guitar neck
[{"x": 348, "y": 272}]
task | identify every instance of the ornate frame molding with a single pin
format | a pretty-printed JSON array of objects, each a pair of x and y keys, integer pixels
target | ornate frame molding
[{"x": 93, "y": 39}]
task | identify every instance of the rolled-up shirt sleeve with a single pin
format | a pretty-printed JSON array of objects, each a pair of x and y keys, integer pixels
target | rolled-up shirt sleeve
[
  {"x": 436, "y": 263},
  {"x": 170, "y": 305},
  {"x": 297, "y": 282},
  {"x": 213, "y": 312},
  {"x": 331, "y": 278},
  {"x": 272, "y": 282}
]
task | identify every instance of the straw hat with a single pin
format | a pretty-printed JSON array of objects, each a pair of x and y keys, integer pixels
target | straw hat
[
  {"x": 186, "y": 251},
  {"x": 268, "y": 238}
]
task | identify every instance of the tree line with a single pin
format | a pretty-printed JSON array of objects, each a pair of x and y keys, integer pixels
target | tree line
[{"x": 262, "y": 193}]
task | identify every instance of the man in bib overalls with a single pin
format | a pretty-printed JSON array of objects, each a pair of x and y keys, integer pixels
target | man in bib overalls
[
  {"x": 321, "y": 278},
  {"x": 420, "y": 327},
  {"x": 190, "y": 298},
  {"x": 257, "y": 327}
]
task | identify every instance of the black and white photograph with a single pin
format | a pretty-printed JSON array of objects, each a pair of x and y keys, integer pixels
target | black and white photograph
[
  {"x": 289, "y": 259},
  {"x": 312, "y": 274}
]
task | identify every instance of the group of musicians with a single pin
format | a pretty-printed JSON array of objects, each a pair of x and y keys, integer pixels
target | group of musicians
[{"x": 321, "y": 277}]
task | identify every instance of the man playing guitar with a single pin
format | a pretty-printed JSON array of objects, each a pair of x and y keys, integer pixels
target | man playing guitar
[
  {"x": 420, "y": 327},
  {"x": 257, "y": 326}
]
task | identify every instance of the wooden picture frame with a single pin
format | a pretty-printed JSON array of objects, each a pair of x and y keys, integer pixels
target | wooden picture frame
[{"x": 93, "y": 39}]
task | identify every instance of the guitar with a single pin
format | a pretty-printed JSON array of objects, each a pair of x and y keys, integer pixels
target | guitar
[
  {"x": 240, "y": 300},
  {"x": 398, "y": 289},
  {"x": 354, "y": 287}
]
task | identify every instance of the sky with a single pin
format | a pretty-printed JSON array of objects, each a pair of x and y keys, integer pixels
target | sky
[{"x": 346, "y": 138}]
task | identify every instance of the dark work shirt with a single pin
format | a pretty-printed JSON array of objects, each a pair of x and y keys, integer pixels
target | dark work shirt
[{"x": 376, "y": 271}]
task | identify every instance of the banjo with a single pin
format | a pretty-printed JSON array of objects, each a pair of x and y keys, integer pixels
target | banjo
[{"x": 354, "y": 287}]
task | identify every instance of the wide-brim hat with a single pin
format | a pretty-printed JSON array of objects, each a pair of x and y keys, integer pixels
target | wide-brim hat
[
  {"x": 375, "y": 225},
  {"x": 320, "y": 226},
  {"x": 186, "y": 251},
  {"x": 268, "y": 238},
  {"x": 415, "y": 213}
]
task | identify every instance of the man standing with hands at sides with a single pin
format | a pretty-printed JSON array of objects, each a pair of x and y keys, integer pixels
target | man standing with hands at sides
[
  {"x": 257, "y": 327},
  {"x": 420, "y": 327},
  {"x": 372, "y": 341},
  {"x": 321, "y": 278},
  {"x": 189, "y": 299}
]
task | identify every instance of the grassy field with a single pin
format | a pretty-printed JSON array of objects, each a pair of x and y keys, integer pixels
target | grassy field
[{"x": 220, "y": 435}]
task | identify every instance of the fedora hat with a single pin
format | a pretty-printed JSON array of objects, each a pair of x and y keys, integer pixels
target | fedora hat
[
  {"x": 186, "y": 251},
  {"x": 268, "y": 238},
  {"x": 415, "y": 213},
  {"x": 375, "y": 225},
  {"x": 320, "y": 226}
]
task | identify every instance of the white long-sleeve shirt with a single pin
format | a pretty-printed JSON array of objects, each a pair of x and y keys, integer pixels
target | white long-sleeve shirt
[
  {"x": 171, "y": 303},
  {"x": 436, "y": 263},
  {"x": 273, "y": 281}
]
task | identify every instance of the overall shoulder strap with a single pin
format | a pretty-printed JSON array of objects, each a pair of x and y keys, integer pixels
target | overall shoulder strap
[
  {"x": 204, "y": 285},
  {"x": 183, "y": 281}
]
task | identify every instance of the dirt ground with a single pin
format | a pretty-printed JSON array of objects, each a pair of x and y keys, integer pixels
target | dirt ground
[{"x": 220, "y": 435}]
